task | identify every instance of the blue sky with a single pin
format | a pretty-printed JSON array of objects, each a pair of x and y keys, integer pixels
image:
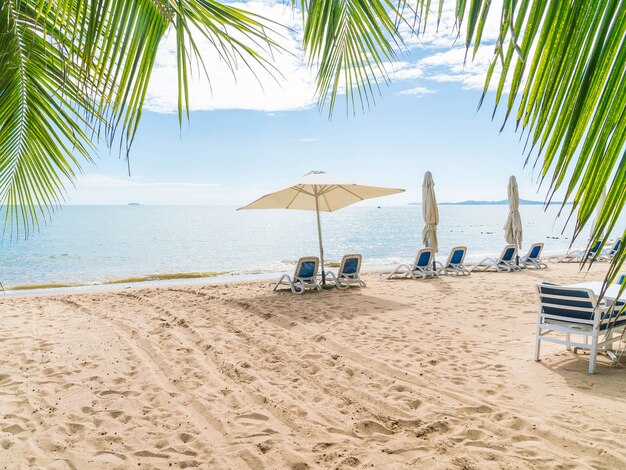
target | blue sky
[{"x": 242, "y": 142}]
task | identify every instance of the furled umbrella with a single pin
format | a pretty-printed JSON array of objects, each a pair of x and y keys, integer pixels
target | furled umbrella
[
  {"x": 320, "y": 192},
  {"x": 597, "y": 216},
  {"x": 430, "y": 211},
  {"x": 513, "y": 226}
]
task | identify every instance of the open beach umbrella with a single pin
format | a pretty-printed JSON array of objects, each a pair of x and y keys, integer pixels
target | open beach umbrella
[
  {"x": 320, "y": 192},
  {"x": 513, "y": 226},
  {"x": 430, "y": 211}
]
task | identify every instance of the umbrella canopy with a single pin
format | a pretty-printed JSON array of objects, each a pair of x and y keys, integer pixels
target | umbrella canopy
[
  {"x": 513, "y": 226},
  {"x": 430, "y": 211},
  {"x": 320, "y": 192}
]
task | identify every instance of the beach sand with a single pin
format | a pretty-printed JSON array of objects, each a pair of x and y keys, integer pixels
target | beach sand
[{"x": 402, "y": 374}]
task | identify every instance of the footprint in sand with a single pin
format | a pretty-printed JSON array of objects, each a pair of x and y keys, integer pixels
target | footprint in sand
[
  {"x": 14, "y": 429},
  {"x": 251, "y": 419},
  {"x": 73, "y": 428},
  {"x": 368, "y": 427},
  {"x": 185, "y": 437},
  {"x": 114, "y": 392},
  {"x": 6, "y": 444}
]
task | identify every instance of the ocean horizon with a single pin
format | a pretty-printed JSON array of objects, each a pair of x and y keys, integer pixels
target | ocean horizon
[{"x": 96, "y": 245}]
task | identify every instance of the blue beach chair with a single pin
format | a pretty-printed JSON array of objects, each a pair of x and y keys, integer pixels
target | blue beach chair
[
  {"x": 532, "y": 259},
  {"x": 505, "y": 263},
  {"x": 422, "y": 268},
  {"x": 578, "y": 256},
  {"x": 349, "y": 272},
  {"x": 609, "y": 253},
  {"x": 576, "y": 311},
  {"x": 304, "y": 277},
  {"x": 454, "y": 263},
  {"x": 622, "y": 279}
]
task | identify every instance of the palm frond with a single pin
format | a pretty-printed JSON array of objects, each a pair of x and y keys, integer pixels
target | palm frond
[
  {"x": 41, "y": 139},
  {"x": 350, "y": 41},
  {"x": 566, "y": 75},
  {"x": 75, "y": 71}
]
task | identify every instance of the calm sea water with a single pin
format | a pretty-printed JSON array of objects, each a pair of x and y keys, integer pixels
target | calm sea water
[{"x": 96, "y": 244}]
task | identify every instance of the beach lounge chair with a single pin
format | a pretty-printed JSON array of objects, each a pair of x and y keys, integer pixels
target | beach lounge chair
[
  {"x": 577, "y": 256},
  {"x": 348, "y": 273},
  {"x": 622, "y": 279},
  {"x": 421, "y": 269},
  {"x": 505, "y": 263},
  {"x": 304, "y": 277},
  {"x": 576, "y": 311},
  {"x": 609, "y": 253},
  {"x": 454, "y": 263},
  {"x": 532, "y": 259}
]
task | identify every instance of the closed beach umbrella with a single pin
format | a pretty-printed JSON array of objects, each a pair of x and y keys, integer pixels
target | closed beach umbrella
[
  {"x": 430, "y": 211},
  {"x": 598, "y": 210},
  {"x": 320, "y": 192},
  {"x": 513, "y": 226}
]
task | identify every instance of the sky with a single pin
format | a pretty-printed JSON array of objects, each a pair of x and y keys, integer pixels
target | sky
[{"x": 246, "y": 138}]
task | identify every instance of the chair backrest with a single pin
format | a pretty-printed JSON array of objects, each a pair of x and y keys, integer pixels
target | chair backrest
[
  {"x": 535, "y": 251},
  {"x": 594, "y": 249},
  {"x": 307, "y": 267},
  {"x": 616, "y": 246},
  {"x": 567, "y": 303},
  {"x": 424, "y": 258},
  {"x": 457, "y": 256},
  {"x": 509, "y": 253},
  {"x": 350, "y": 265}
]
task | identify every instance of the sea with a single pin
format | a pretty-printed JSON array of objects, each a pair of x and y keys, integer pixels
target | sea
[{"x": 101, "y": 245}]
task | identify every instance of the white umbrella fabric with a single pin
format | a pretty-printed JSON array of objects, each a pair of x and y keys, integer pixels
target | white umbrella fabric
[
  {"x": 513, "y": 227},
  {"x": 598, "y": 210},
  {"x": 430, "y": 211},
  {"x": 320, "y": 192}
]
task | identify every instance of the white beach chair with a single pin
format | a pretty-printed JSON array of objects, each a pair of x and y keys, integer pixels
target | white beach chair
[
  {"x": 532, "y": 258},
  {"x": 505, "y": 263},
  {"x": 454, "y": 263},
  {"x": 422, "y": 268},
  {"x": 304, "y": 277},
  {"x": 576, "y": 256},
  {"x": 576, "y": 311},
  {"x": 349, "y": 272},
  {"x": 608, "y": 253}
]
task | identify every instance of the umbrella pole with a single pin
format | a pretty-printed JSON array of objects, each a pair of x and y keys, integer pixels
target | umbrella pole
[{"x": 319, "y": 236}]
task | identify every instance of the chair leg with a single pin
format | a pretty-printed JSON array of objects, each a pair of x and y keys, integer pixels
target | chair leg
[
  {"x": 593, "y": 352},
  {"x": 567, "y": 338},
  {"x": 537, "y": 342}
]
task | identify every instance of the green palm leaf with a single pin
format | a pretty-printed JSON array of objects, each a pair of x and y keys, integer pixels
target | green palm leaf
[{"x": 75, "y": 71}]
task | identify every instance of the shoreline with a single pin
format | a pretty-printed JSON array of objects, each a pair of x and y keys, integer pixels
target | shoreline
[{"x": 167, "y": 280}]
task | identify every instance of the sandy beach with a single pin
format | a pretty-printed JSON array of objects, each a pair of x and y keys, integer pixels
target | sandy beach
[{"x": 401, "y": 374}]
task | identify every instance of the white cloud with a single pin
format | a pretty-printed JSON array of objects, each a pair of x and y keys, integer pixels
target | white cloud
[
  {"x": 295, "y": 89},
  {"x": 442, "y": 54},
  {"x": 405, "y": 71},
  {"x": 418, "y": 91},
  {"x": 445, "y": 59},
  {"x": 103, "y": 189},
  {"x": 307, "y": 139},
  {"x": 451, "y": 66}
]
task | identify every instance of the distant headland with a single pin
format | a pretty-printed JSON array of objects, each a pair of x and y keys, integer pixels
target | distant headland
[{"x": 134, "y": 204}]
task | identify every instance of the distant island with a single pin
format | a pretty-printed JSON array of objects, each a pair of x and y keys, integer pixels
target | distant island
[
  {"x": 503, "y": 202},
  {"x": 134, "y": 204}
]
